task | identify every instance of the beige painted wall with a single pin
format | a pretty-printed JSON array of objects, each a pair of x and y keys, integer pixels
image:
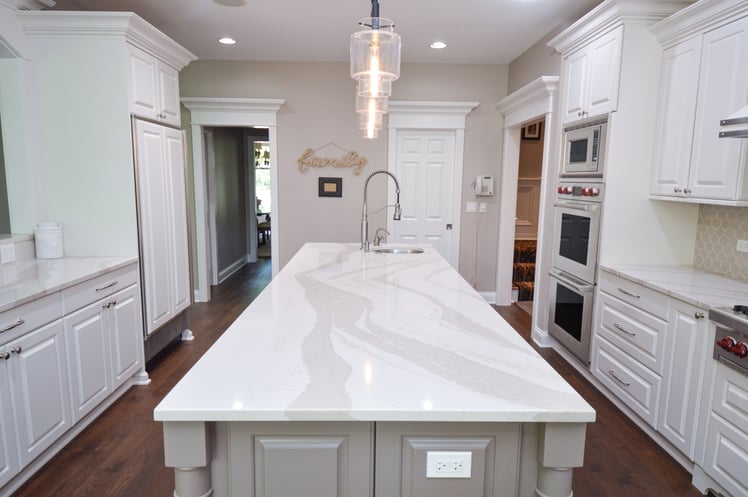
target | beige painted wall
[{"x": 319, "y": 109}]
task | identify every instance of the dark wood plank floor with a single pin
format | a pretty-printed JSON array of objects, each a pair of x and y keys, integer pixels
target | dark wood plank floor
[{"x": 121, "y": 453}]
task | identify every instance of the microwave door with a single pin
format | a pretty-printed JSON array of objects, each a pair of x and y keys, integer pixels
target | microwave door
[{"x": 578, "y": 149}]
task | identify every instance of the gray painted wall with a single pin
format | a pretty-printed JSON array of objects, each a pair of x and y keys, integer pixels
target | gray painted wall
[
  {"x": 230, "y": 182},
  {"x": 4, "y": 211},
  {"x": 319, "y": 109}
]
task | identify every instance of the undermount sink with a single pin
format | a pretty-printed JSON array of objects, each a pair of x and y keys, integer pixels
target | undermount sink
[{"x": 398, "y": 250}]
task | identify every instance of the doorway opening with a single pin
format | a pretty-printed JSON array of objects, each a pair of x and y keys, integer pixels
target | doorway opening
[
  {"x": 530, "y": 171},
  {"x": 263, "y": 194}
]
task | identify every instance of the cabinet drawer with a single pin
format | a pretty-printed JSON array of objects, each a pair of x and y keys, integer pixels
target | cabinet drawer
[
  {"x": 726, "y": 456},
  {"x": 632, "y": 330},
  {"x": 639, "y": 296},
  {"x": 634, "y": 384},
  {"x": 89, "y": 291},
  {"x": 28, "y": 317},
  {"x": 731, "y": 396}
]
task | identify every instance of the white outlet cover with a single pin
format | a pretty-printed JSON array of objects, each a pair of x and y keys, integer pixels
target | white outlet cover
[
  {"x": 742, "y": 246},
  {"x": 448, "y": 464},
  {"x": 471, "y": 207},
  {"x": 482, "y": 207}
]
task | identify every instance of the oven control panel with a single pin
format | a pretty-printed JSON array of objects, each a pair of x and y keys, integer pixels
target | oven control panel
[
  {"x": 731, "y": 342},
  {"x": 591, "y": 192}
]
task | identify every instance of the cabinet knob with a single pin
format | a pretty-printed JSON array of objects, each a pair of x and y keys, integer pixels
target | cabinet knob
[
  {"x": 687, "y": 191},
  {"x": 698, "y": 315},
  {"x": 16, "y": 350},
  {"x": 677, "y": 190},
  {"x": 5, "y": 355}
]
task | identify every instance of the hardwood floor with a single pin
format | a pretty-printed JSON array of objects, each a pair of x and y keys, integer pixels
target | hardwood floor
[{"x": 121, "y": 453}]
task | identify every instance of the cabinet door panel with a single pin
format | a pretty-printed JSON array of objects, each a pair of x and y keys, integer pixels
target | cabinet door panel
[
  {"x": 126, "y": 335},
  {"x": 678, "y": 92},
  {"x": 682, "y": 377},
  {"x": 8, "y": 445},
  {"x": 605, "y": 71},
  {"x": 168, "y": 85},
  {"x": 143, "y": 99},
  {"x": 575, "y": 77},
  {"x": 174, "y": 147},
  {"x": 154, "y": 201},
  {"x": 42, "y": 394},
  {"x": 723, "y": 89},
  {"x": 88, "y": 350}
]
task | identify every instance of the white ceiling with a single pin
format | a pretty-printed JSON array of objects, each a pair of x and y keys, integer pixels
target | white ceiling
[{"x": 476, "y": 31}]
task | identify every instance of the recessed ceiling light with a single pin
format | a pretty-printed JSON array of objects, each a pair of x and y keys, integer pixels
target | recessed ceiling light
[
  {"x": 438, "y": 45},
  {"x": 226, "y": 40}
]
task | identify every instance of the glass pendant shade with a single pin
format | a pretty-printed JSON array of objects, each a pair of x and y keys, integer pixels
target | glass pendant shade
[
  {"x": 370, "y": 123},
  {"x": 375, "y": 56},
  {"x": 371, "y": 104}
]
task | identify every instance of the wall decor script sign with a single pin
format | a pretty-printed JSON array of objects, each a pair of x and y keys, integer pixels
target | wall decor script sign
[{"x": 350, "y": 159}]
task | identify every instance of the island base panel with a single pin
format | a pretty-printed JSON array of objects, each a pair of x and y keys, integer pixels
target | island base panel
[{"x": 337, "y": 459}]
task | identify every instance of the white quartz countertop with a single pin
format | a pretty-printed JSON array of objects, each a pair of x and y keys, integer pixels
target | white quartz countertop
[
  {"x": 342, "y": 335},
  {"x": 699, "y": 288},
  {"x": 24, "y": 281}
]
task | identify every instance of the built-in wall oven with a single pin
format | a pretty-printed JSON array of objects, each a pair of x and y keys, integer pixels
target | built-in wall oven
[
  {"x": 577, "y": 210},
  {"x": 584, "y": 150}
]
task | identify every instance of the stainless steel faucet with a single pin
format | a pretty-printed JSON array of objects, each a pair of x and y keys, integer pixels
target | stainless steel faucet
[{"x": 365, "y": 214}]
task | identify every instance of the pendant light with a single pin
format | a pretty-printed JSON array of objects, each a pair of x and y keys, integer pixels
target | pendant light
[{"x": 375, "y": 64}]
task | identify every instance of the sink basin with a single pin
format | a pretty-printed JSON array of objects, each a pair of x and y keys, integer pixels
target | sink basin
[{"x": 398, "y": 250}]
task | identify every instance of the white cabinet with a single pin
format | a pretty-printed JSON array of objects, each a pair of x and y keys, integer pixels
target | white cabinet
[
  {"x": 591, "y": 77},
  {"x": 649, "y": 351},
  {"x": 704, "y": 80},
  {"x": 154, "y": 88},
  {"x": 8, "y": 454},
  {"x": 687, "y": 347},
  {"x": 163, "y": 222},
  {"x": 39, "y": 389},
  {"x": 104, "y": 343}
]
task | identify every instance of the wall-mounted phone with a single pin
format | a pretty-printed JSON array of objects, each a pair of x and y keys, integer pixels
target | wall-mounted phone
[{"x": 483, "y": 186}]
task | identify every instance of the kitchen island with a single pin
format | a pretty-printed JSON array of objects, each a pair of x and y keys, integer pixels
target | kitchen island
[{"x": 353, "y": 372}]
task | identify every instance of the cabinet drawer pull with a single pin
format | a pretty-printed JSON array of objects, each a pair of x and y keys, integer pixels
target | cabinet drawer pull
[
  {"x": 629, "y": 293},
  {"x": 5, "y": 355},
  {"x": 621, "y": 328},
  {"x": 613, "y": 374},
  {"x": 14, "y": 325},
  {"x": 16, "y": 350},
  {"x": 109, "y": 285}
]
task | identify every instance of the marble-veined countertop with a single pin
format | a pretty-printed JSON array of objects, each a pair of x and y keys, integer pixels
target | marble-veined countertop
[
  {"x": 697, "y": 287},
  {"x": 27, "y": 280},
  {"x": 342, "y": 335}
]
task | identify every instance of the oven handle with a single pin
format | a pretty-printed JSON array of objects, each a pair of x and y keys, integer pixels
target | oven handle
[
  {"x": 583, "y": 288},
  {"x": 576, "y": 205}
]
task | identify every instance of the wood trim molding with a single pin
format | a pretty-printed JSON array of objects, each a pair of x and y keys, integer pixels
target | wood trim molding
[
  {"x": 233, "y": 111},
  {"x": 432, "y": 115},
  {"x": 526, "y": 100},
  {"x": 698, "y": 19}
]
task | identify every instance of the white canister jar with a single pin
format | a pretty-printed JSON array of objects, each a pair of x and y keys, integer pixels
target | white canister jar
[{"x": 48, "y": 240}]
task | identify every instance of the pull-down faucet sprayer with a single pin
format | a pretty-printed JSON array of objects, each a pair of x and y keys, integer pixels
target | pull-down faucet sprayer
[{"x": 365, "y": 214}]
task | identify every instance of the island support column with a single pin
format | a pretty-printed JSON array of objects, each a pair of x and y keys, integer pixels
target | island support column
[
  {"x": 560, "y": 449},
  {"x": 186, "y": 449}
]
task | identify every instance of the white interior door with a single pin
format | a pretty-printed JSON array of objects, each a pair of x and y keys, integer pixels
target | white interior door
[{"x": 425, "y": 166}]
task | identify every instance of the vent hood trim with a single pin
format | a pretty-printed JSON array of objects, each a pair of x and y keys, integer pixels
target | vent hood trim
[{"x": 735, "y": 125}]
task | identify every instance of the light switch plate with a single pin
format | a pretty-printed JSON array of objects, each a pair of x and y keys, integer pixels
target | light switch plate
[
  {"x": 471, "y": 207},
  {"x": 742, "y": 246},
  {"x": 482, "y": 207},
  {"x": 7, "y": 253}
]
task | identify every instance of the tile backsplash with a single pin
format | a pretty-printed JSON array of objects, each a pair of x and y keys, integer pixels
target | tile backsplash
[{"x": 718, "y": 232}]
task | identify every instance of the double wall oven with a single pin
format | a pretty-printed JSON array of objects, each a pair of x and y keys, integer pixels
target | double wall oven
[{"x": 575, "y": 241}]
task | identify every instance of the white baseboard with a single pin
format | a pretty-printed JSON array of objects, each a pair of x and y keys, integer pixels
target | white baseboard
[
  {"x": 233, "y": 267},
  {"x": 489, "y": 297}
]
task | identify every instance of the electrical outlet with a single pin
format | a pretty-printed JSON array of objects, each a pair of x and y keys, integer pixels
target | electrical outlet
[
  {"x": 471, "y": 207},
  {"x": 448, "y": 464},
  {"x": 482, "y": 207},
  {"x": 742, "y": 246}
]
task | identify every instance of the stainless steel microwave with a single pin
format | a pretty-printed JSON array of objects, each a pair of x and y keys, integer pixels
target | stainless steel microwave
[{"x": 584, "y": 150}]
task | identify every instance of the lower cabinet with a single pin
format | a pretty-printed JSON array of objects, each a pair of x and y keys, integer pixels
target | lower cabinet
[
  {"x": 649, "y": 351},
  {"x": 363, "y": 459},
  {"x": 103, "y": 347},
  {"x": 36, "y": 370},
  {"x": 86, "y": 341}
]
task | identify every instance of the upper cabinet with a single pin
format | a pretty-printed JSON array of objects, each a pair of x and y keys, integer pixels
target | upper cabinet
[
  {"x": 154, "y": 87},
  {"x": 591, "y": 76},
  {"x": 704, "y": 79}
]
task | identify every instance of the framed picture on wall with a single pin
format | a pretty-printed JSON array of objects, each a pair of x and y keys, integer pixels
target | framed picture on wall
[
  {"x": 532, "y": 131},
  {"x": 330, "y": 187}
]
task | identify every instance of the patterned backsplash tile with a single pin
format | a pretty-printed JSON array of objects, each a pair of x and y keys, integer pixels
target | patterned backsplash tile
[{"x": 719, "y": 230}]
